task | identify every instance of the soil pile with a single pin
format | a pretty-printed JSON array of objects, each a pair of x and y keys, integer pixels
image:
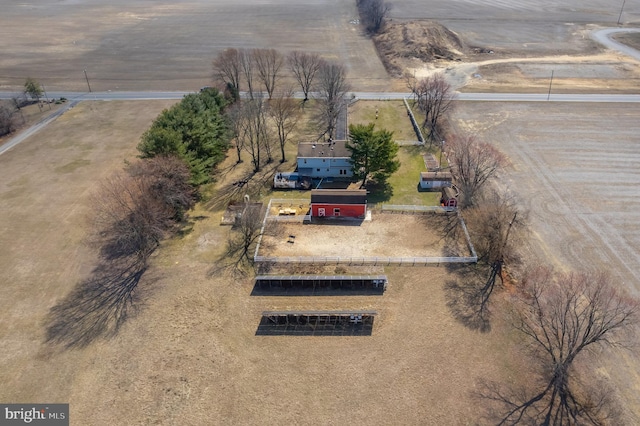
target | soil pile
[{"x": 426, "y": 41}]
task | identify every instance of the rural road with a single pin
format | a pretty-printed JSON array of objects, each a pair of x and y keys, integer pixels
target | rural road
[
  {"x": 484, "y": 97},
  {"x": 602, "y": 36}
]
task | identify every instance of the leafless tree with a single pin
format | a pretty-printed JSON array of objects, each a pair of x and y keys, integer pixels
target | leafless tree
[
  {"x": 254, "y": 130},
  {"x": 435, "y": 98},
  {"x": 411, "y": 82},
  {"x": 473, "y": 163},
  {"x": 246, "y": 233},
  {"x": 562, "y": 315},
  {"x": 285, "y": 113},
  {"x": 269, "y": 64},
  {"x": 227, "y": 68},
  {"x": 7, "y": 118},
  {"x": 495, "y": 234},
  {"x": 235, "y": 116},
  {"x": 304, "y": 66},
  {"x": 373, "y": 14},
  {"x": 332, "y": 92},
  {"x": 168, "y": 179},
  {"x": 137, "y": 209},
  {"x": 247, "y": 65}
]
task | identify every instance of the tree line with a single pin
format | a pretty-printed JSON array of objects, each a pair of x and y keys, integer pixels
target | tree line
[{"x": 560, "y": 315}]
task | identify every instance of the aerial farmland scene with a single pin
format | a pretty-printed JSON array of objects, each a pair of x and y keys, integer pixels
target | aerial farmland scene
[{"x": 320, "y": 212}]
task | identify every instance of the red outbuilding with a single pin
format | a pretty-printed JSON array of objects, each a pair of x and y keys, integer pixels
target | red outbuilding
[{"x": 339, "y": 203}]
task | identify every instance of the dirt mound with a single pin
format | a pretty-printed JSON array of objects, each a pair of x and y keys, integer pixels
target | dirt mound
[{"x": 426, "y": 41}]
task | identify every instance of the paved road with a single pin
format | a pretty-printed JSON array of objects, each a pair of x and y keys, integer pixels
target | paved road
[
  {"x": 604, "y": 37},
  {"x": 484, "y": 97},
  {"x": 35, "y": 128}
]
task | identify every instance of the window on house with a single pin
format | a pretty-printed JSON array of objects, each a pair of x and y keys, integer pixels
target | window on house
[
  {"x": 317, "y": 170},
  {"x": 336, "y": 212}
]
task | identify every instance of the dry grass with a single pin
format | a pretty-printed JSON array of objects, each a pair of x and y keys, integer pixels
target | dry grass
[{"x": 190, "y": 355}]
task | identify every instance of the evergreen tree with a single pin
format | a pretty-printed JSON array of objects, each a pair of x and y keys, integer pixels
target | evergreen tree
[
  {"x": 195, "y": 130},
  {"x": 373, "y": 153}
]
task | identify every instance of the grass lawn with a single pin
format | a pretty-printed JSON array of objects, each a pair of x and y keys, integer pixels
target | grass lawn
[
  {"x": 392, "y": 115},
  {"x": 404, "y": 183}
]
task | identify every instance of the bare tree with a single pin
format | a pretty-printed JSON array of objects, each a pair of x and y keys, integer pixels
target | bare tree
[
  {"x": 411, "y": 82},
  {"x": 235, "y": 116},
  {"x": 332, "y": 91},
  {"x": 473, "y": 163},
  {"x": 227, "y": 68},
  {"x": 268, "y": 67},
  {"x": 285, "y": 113},
  {"x": 373, "y": 14},
  {"x": 304, "y": 67},
  {"x": 562, "y": 315},
  {"x": 254, "y": 130},
  {"x": 168, "y": 184},
  {"x": 435, "y": 98},
  {"x": 246, "y": 233},
  {"x": 247, "y": 67},
  {"x": 7, "y": 118},
  {"x": 136, "y": 210}
]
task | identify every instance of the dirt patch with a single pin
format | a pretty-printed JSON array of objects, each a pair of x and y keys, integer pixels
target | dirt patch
[
  {"x": 386, "y": 235},
  {"x": 424, "y": 41}
]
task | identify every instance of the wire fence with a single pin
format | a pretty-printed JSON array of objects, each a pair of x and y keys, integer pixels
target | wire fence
[
  {"x": 416, "y": 126},
  {"x": 359, "y": 261},
  {"x": 363, "y": 260},
  {"x": 403, "y": 209}
]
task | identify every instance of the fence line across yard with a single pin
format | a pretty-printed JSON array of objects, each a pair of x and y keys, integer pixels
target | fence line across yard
[
  {"x": 357, "y": 261},
  {"x": 393, "y": 208},
  {"x": 416, "y": 126}
]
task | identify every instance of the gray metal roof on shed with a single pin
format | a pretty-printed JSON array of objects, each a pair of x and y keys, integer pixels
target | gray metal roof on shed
[
  {"x": 436, "y": 176},
  {"x": 339, "y": 196},
  {"x": 319, "y": 313},
  {"x": 321, "y": 277},
  {"x": 336, "y": 149}
]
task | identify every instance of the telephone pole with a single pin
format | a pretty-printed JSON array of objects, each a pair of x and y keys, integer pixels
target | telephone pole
[{"x": 87, "y": 78}]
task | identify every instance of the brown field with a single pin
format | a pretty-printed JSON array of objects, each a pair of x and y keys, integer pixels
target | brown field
[
  {"x": 189, "y": 355},
  {"x": 574, "y": 168}
]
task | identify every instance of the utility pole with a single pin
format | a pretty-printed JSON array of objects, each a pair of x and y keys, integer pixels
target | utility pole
[
  {"x": 550, "y": 83},
  {"x": 45, "y": 96},
  {"x": 87, "y": 78},
  {"x": 621, "y": 9}
]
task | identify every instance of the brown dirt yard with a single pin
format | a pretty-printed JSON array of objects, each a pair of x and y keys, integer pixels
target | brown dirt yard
[
  {"x": 189, "y": 355},
  {"x": 386, "y": 235}
]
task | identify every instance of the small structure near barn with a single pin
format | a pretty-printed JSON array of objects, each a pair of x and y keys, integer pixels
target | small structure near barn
[
  {"x": 435, "y": 180},
  {"x": 234, "y": 212},
  {"x": 291, "y": 180},
  {"x": 350, "y": 203},
  {"x": 449, "y": 197}
]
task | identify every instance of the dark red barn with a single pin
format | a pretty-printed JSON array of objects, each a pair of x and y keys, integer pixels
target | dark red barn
[{"x": 339, "y": 203}]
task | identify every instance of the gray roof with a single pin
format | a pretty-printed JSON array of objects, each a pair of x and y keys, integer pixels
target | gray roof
[
  {"x": 336, "y": 149},
  {"x": 339, "y": 196},
  {"x": 440, "y": 176},
  {"x": 321, "y": 277}
]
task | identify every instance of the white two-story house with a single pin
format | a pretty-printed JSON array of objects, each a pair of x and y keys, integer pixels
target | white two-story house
[{"x": 324, "y": 159}]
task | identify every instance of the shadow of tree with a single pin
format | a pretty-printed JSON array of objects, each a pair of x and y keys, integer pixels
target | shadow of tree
[
  {"x": 97, "y": 307},
  {"x": 467, "y": 298}
]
